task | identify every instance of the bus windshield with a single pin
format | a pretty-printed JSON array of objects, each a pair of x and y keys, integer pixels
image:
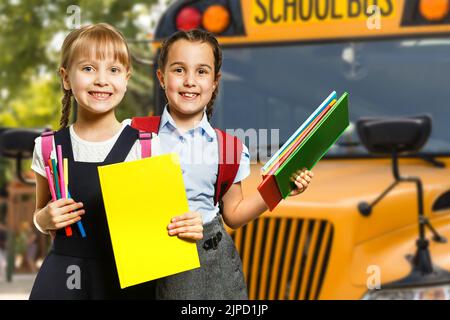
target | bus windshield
[{"x": 278, "y": 87}]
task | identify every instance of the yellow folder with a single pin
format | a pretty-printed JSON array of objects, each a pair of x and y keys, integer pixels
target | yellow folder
[{"x": 140, "y": 199}]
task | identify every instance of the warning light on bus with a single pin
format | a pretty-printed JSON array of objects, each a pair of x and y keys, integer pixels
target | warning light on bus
[
  {"x": 434, "y": 10},
  {"x": 188, "y": 18},
  {"x": 216, "y": 19}
]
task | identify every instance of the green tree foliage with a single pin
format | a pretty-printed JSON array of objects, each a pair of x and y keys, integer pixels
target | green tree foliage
[
  {"x": 30, "y": 91},
  {"x": 35, "y": 107}
]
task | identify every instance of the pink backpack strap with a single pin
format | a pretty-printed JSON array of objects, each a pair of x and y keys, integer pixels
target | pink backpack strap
[
  {"x": 146, "y": 126},
  {"x": 47, "y": 145},
  {"x": 230, "y": 150},
  {"x": 145, "y": 138}
]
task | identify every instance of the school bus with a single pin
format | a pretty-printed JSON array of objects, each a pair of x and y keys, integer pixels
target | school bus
[{"x": 354, "y": 234}]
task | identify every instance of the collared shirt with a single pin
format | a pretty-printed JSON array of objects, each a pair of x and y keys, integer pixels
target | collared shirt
[{"x": 199, "y": 158}]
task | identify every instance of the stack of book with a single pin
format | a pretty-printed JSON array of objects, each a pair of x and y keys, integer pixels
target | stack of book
[{"x": 304, "y": 148}]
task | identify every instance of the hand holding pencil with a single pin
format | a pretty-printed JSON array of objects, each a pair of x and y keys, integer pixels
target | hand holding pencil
[
  {"x": 55, "y": 215},
  {"x": 60, "y": 214}
]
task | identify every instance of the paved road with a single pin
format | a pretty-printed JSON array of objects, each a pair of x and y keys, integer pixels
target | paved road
[{"x": 18, "y": 289}]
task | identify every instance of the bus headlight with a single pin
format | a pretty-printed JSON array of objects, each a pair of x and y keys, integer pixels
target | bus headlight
[{"x": 441, "y": 292}]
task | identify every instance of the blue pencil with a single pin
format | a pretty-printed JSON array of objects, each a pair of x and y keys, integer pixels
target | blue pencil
[{"x": 79, "y": 224}]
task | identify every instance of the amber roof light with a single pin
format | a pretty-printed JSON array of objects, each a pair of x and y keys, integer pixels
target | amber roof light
[
  {"x": 434, "y": 10},
  {"x": 216, "y": 19}
]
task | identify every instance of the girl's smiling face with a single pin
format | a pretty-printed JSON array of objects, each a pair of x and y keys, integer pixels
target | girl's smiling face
[
  {"x": 97, "y": 85},
  {"x": 188, "y": 77}
]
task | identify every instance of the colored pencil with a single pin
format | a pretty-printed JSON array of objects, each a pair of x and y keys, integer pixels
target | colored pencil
[
  {"x": 79, "y": 224},
  {"x": 55, "y": 176},
  {"x": 50, "y": 183},
  {"x": 68, "y": 229},
  {"x": 66, "y": 181},
  {"x": 61, "y": 171},
  {"x": 66, "y": 175}
]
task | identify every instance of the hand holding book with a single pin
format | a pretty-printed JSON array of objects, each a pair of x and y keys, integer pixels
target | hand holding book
[{"x": 301, "y": 178}]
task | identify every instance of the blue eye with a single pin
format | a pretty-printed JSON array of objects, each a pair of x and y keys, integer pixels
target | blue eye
[
  {"x": 88, "y": 68},
  {"x": 115, "y": 70}
]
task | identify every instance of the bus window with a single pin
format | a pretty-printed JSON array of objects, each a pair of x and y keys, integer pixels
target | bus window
[{"x": 279, "y": 86}]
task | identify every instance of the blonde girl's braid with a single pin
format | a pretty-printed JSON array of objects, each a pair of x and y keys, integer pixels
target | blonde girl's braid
[{"x": 66, "y": 106}]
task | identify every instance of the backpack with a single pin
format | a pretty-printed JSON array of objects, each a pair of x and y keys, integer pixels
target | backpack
[
  {"x": 230, "y": 150},
  {"x": 48, "y": 136}
]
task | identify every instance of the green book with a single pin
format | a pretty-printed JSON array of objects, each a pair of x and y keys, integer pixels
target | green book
[{"x": 315, "y": 145}]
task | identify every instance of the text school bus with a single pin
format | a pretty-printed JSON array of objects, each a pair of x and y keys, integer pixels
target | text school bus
[{"x": 374, "y": 222}]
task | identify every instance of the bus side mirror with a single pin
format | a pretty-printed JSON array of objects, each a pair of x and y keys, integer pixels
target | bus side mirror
[
  {"x": 385, "y": 135},
  {"x": 18, "y": 144}
]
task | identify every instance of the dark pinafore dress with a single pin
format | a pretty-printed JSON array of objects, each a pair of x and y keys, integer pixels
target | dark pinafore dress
[{"x": 84, "y": 268}]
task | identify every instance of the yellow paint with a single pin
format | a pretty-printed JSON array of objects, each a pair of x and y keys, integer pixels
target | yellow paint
[
  {"x": 292, "y": 16},
  {"x": 383, "y": 239},
  {"x": 348, "y": 20}
]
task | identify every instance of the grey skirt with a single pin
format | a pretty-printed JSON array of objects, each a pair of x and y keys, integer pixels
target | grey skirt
[{"x": 220, "y": 274}]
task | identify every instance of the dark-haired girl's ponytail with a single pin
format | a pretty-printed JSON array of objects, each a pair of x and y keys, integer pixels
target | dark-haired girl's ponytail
[{"x": 210, "y": 105}]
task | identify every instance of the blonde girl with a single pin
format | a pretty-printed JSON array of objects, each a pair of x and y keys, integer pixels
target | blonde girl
[{"x": 95, "y": 68}]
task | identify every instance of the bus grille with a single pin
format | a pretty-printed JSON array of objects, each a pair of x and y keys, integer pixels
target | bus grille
[{"x": 284, "y": 258}]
